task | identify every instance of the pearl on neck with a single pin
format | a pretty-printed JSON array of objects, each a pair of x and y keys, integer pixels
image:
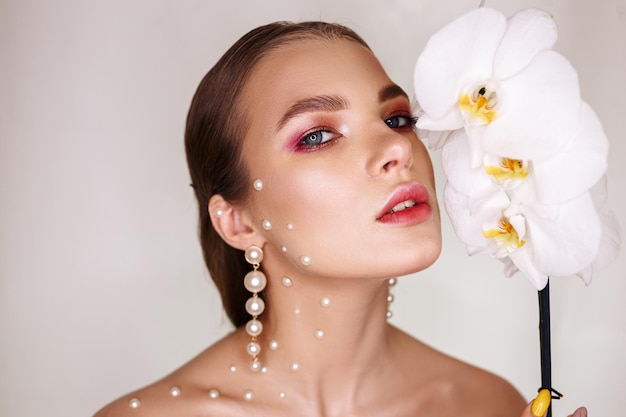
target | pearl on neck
[{"x": 287, "y": 282}]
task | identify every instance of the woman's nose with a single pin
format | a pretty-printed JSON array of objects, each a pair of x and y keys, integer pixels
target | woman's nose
[{"x": 389, "y": 151}]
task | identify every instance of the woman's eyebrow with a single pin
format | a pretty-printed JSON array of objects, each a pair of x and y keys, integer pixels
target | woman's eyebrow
[
  {"x": 391, "y": 91},
  {"x": 313, "y": 104}
]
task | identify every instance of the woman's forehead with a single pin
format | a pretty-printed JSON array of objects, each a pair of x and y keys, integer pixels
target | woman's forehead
[{"x": 313, "y": 67}]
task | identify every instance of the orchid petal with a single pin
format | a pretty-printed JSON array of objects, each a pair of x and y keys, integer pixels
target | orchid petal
[
  {"x": 452, "y": 120},
  {"x": 611, "y": 232},
  {"x": 569, "y": 243},
  {"x": 467, "y": 224},
  {"x": 577, "y": 167},
  {"x": 524, "y": 262},
  {"x": 434, "y": 138},
  {"x": 527, "y": 32},
  {"x": 473, "y": 182},
  {"x": 538, "y": 110},
  {"x": 462, "y": 50}
]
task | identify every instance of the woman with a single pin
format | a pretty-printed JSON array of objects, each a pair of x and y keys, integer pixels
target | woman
[{"x": 303, "y": 156}]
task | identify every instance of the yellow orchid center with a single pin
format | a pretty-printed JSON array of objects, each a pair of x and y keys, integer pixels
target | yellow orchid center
[
  {"x": 508, "y": 169},
  {"x": 479, "y": 105},
  {"x": 505, "y": 236}
]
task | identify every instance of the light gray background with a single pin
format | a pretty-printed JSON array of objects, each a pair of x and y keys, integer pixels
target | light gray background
[{"x": 102, "y": 285}]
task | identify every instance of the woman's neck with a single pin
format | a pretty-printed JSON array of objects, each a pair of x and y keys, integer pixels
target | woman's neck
[{"x": 325, "y": 333}]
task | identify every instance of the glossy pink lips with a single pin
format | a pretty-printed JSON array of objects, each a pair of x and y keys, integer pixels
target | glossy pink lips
[{"x": 407, "y": 205}]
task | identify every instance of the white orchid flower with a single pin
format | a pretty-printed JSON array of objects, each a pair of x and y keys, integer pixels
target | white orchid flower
[
  {"x": 565, "y": 243},
  {"x": 499, "y": 81},
  {"x": 548, "y": 181}
]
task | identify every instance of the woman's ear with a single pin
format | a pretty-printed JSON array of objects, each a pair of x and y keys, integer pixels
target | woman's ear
[{"x": 232, "y": 223}]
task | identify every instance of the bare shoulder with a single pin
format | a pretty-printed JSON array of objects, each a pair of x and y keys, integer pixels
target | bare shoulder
[
  {"x": 188, "y": 390},
  {"x": 454, "y": 387}
]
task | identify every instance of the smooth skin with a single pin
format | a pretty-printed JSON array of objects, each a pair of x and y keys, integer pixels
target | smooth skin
[{"x": 331, "y": 137}]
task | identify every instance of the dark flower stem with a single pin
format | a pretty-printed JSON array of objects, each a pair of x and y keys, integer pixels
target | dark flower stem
[{"x": 544, "y": 340}]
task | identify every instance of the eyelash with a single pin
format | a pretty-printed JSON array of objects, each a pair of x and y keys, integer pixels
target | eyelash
[
  {"x": 409, "y": 120},
  {"x": 304, "y": 147}
]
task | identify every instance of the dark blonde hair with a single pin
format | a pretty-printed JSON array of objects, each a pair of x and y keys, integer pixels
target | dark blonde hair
[{"x": 213, "y": 143}]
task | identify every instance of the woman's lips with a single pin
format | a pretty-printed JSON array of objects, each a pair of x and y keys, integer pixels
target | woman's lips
[{"x": 407, "y": 205}]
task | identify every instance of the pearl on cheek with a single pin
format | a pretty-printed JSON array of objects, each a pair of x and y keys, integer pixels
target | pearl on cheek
[
  {"x": 305, "y": 260},
  {"x": 267, "y": 225},
  {"x": 248, "y": 395},
  {"x": 258, "y": 184}
]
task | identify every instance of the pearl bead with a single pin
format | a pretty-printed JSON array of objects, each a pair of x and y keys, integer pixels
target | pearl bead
[
  {"x": 253, "y": 348},
  {"x": 255, "y": 306},
  {"x": 258, "y": 184},
  {"x": 233, "y": 368},
  {"x": 305, "y": 260},
  {"x": 392, "y": 282},
  {"x": 214, "y": 393},
  {"x": 319, "y": 334},
  {"x": 273, "y": 344},
  {"x": 255, "y": 366},
  {"x": 134, "y": 403},
  {"x": 175, "y": 391},
  {"x": 287, "y": 281},
  {"x": 248, "y": 394},
  {"x": 295, "y": 367},
  {"x": 283, "y": 248},
  {"x": 264, "y": 370},
  {"x": 296, "y": 311},
  {"x": 390, "y": 298},
  {"x": 219, "y": 213},
  {"x": 254, "y": 327},
  {"x": 389, "y": 314},
  {"x": 325, "y": 302},
  {"x": 282, "y": 394},
  {"x": 267, "y": 225},
  {"x": 254, "y": 255},
  {"x": 255, "y": 281},
  {"x": 289, "y": 226}
]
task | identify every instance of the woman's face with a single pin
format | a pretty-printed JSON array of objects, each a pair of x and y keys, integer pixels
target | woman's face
[{"x": 348, "y": 188}]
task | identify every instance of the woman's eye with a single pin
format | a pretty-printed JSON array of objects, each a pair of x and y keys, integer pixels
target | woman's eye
[
  {"x": 400, "y": 121},
  {"x": 316, "y": 138}
]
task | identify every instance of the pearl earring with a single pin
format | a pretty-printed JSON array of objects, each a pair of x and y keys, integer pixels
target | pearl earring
[
  {"x": 255, "y": 282},
  {"x": 392, "y": 283}
]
